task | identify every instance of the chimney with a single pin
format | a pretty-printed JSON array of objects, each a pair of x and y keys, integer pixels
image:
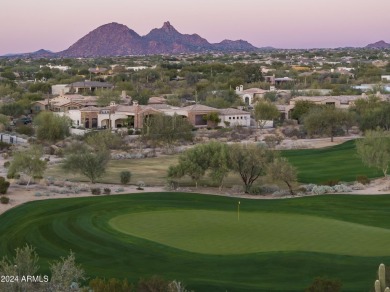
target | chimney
[
  {"x": 135, "y": 102},
  {"x": 123, "y": 94},
  {"x": 241, "y": 88},
  {"x": 112, "y": 103}
]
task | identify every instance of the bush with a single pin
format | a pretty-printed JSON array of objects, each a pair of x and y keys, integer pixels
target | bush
[
  {"x": 4, "y": 200},
  {"x": 95, "y": 191},
  {"x": 269, "y": 189},
  {"x": 141, "y": 185},
  {"x": 331, "y": 182},
  {"x": 125, "y": 177},
  {"x": 4, "y": 185},
  {"x": 320, "y": 190},
  {"x": 363, "y": 179},
  {"x": 25, "y": 130},
  {"x": 255, "y": 190},
  {"x": 107, "y": 191},
  {"x": 7, "y": 164},
  {"x": 341, "y": 188},
  {"x": 4, "y": 145}
]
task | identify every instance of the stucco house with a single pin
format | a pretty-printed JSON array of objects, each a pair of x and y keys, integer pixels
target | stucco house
[
  {"x": 234, "y": 117},
  {"x": 84, "y": 86},
  {"x": 249, "y": 96}
]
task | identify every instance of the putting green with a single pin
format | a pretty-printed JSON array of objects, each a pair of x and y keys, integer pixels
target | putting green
[{"x": 218, "y": 232}]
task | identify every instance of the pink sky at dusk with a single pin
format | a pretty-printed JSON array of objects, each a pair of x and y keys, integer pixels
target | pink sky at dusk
[{"x": 30, "y": 25}]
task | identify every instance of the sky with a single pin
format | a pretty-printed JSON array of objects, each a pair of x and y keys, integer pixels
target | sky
[{"x": 30, "y": 25}]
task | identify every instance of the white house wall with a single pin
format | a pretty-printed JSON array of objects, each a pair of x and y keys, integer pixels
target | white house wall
[{"x": 235, "y": 120}]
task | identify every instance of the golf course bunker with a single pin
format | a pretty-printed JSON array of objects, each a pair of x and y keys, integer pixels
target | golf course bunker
[{"x": 223, "y": 233}]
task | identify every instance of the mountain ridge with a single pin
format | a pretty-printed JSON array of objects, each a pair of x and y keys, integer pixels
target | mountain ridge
[{"x": 115, "y": 39}]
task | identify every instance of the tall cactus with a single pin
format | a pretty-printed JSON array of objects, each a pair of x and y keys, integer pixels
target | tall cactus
[{"x": 380, "y": 285}]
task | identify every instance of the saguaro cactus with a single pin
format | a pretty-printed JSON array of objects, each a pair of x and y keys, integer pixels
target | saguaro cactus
[{"x": 380, "y": 285}]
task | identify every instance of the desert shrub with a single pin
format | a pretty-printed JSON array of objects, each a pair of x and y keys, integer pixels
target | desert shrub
[
  {"x": 7, "y": 164},
  {"x": 95, "y": 191},
  {"x": 4, "y": 185},
  {"x": 118, "y": 190},
  {"x": 106, "y": 191},
  {"x": 255, "y": 190},
  {"x": 331, "y": 182},
  {"x": 309, "y": 187},
  {"x": 363, "y": 179},
  {"x": 25, "y": 130},
  {"x": 4, "y": 200},
  {"x": 341, "y": 188},
  {"x": 58, "y": 190},
  {"x": 320, "y": 190},
  {"x": 125, "y": 177},
  {"x": 4, "y": 145},
  {"x": 83, "y": 187},
  {"x": 171, "y": 185},
  {"x": 269, "y": 189},
  {"x": 141, "y": 185}
]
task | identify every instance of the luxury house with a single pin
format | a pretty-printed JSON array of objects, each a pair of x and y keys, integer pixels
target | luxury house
[{"x": 118, "y": 116}]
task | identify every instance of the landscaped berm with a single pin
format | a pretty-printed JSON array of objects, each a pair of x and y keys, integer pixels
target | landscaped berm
[{"x": 210, "y": 243}]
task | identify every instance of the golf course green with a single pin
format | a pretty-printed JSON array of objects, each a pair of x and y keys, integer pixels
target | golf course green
[
  {"x": 220, "y": 233},
  {"x": 201, "y": 240}
]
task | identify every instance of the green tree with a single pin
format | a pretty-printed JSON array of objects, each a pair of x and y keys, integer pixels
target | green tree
[
  {"x": 374, "y": 149},
  {"x": 167, "y": 130},
  {"x": 104, "y": 140},
  {"x": 213, "y": 118},
  {"x": 108, "y": 96},
  {"x": 281, "y": 170},
  {"x": 51, "y": 127},
  {"x": 125, "y": 177},
  {"x": 87, "y": 162},
  {"x": 250, "y": 161},
  {"x": 212, "y": 157},
  {"x": 4, "y": 185},
  {"x": 325, "y": 120},
  {"x": 265, "y": 111},
  {"x": 28, "y": 162},
  {"x": 301, "y": 108}
]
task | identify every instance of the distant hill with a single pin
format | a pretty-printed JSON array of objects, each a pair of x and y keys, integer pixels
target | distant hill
[
  {"x": 111, "y": 39},
  {"x": 240, "y": 45},
  {"x": 379, "y": 45},
  {"x": 38, "y": 54},
  {"x": 115, "y": 39}
]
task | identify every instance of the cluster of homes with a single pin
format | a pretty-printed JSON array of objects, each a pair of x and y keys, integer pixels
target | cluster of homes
[{"x": 85, "y": 112}]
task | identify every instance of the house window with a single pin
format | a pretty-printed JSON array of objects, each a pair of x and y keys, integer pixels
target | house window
[{"x": 230, "y": 118}]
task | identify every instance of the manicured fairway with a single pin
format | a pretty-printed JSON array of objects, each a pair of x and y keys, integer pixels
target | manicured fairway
[
  {"x": 339, "y": 162},
  {"x": 278, "y": 245},
  {"x": 220, "y": 233}
]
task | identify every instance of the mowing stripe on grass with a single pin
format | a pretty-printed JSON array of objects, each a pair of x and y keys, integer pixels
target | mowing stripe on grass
[
  {"x": 339, "y": 162},
  {"x": 220, "y": 233}
]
